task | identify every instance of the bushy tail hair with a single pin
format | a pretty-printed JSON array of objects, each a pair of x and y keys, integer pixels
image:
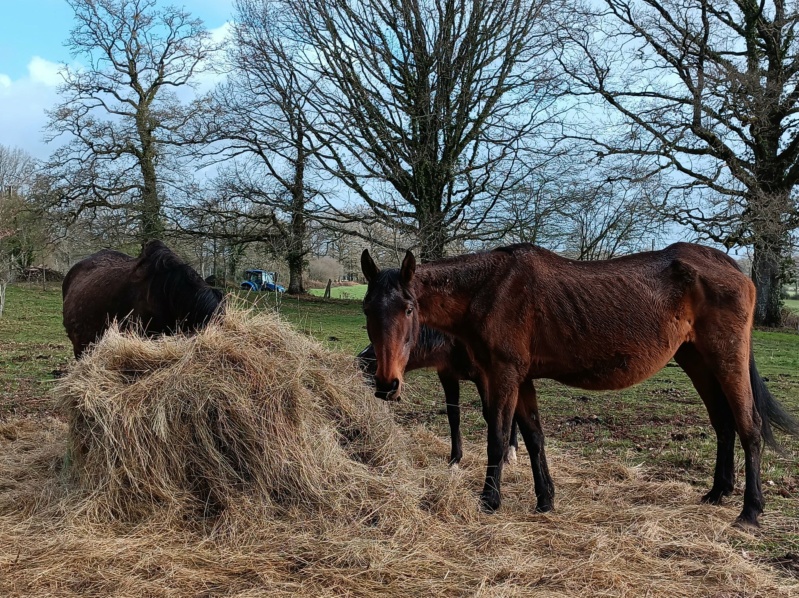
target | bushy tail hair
[{"x": 771, "y": 412}]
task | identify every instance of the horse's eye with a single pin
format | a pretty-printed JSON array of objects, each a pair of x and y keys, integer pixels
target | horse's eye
[{"x": 408, "y": 311}]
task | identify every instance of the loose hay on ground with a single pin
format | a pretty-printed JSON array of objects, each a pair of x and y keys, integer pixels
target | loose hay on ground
[{"x": 250, "y": 461}]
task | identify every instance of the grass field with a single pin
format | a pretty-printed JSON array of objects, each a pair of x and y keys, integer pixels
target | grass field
[
  {"x": 660, "y": 424},
  {"x": 353, "y": 292},
  {"x": 792, "y": 304}
]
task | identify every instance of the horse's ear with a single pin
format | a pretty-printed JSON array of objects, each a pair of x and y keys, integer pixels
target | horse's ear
[
  {"x": 368, "y": 266},
  {"x": 408, "y": 268}
]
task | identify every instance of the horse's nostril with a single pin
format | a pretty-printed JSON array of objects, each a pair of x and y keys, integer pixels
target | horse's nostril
[{"x": 388, "y": 392}]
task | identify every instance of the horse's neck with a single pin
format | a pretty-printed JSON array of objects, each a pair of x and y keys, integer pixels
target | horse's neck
[{"x": 444, "y": 293}]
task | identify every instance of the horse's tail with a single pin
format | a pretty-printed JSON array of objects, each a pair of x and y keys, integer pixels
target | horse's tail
[{"x": 771, "y": 412}]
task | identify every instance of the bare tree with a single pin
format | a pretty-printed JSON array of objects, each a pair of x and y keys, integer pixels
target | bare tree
[
  {"x": 230, "y": 224},
  {"x": 324, "y": 268},
  {"x": 708, "y": 92},
  {"x": 605, "y": 221},
  {"x": 17, "y": 168},
  {"x": 23, "y": 233},
  {"x": 262, "y": 124},
  {"x": 421, "y": 105},
  {"x": 120, "y": 112}
]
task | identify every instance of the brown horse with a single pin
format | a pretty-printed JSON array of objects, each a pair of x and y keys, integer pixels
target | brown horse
[
  {"x": 450, "y": 358},
  {"x": 527, "y": 313},
  {"x": 157, "y": 291}
]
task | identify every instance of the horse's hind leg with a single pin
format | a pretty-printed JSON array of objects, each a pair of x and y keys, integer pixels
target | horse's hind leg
[
  {"x": 529, "y": 423},
  {"x": 730, "y": 364},
  {"x": 513, "y": 443},
  {"x": 451, "y": 388},
  {"x": 721, "y": 418}
]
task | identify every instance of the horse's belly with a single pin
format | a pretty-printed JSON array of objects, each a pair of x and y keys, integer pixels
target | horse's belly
[{"x": 609, "y": 373}]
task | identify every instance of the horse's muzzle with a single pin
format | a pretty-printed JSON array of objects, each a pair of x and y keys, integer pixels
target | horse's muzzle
[{"x": 390, "y": 392}]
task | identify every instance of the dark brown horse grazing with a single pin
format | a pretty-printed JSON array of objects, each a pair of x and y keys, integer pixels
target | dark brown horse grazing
[
  {"x": 157, "y": 291},
  {"x": 450, "y": 358},
  {"x": 526, "y": 313}
]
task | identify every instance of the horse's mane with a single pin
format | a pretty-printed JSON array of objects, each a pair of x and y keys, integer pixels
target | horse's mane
[
  {"x": 431, "y": 339},
  {"x": 176, "y": 283}
]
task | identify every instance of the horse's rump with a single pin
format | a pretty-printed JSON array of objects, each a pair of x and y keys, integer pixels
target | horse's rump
[{"x": 156, "y": 291}]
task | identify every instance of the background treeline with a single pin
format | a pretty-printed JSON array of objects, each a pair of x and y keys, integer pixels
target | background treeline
[{"x": 320, "y": 127}]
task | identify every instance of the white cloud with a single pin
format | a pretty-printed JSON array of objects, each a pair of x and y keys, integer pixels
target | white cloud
[
  {"x": 45, "y": 72},
  {"x": 23, "y": 103},
  {"x": 221, "y": 33}
]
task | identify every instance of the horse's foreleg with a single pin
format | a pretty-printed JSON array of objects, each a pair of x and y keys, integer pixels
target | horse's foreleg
[
  {"x": 500, "y": 404},
  {"x": 721, "y": 419},
  {"x": 530, "y": 424},
  {"x": 513, "y": 443},
  {"x": 451, "y": 388}
]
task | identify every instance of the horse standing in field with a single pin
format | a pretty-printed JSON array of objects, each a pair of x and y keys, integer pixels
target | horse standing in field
[
  {"x": 527, "y": 313},
  {"x": 450, "y": 358},
  {"x": 156, "y": 291}
]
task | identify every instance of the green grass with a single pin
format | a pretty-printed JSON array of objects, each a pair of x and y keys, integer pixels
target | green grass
[
  {"x": 338, "y": 323},
  {"x": 354, "y": 292},
  {"x": 33, "y": 348},
  {"x": 660, "y": 423},
  {"x": 792, "y": 304}
]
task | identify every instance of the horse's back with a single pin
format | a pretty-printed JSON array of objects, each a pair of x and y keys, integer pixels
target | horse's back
[{"x": 608, "y": 324}]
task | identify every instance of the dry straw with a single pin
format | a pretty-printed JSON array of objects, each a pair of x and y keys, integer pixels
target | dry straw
[{"x": 248, "y": 460}]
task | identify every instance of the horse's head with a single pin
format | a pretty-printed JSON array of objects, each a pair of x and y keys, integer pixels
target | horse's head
[{"x": 391, "y": 321}]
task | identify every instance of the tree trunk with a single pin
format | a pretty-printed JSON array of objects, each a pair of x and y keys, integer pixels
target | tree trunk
[
  {"x": 296, "y": 249},
  {"x": 152, "y": 226},
  {"x": 432, "y": 232},
  {"x": 767, "y": 276},
  {"x": 295, "y": 273}
]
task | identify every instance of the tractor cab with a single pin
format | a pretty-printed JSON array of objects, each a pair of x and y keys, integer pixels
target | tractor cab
[{"x": 261, "y": 280}]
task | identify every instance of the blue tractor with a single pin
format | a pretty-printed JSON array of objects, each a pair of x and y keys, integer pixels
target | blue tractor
[{"x": 261, "y": 280}]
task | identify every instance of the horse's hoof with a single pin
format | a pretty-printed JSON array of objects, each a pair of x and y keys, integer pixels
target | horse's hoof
[
  {"x": 714, "y": 497},
  {"x": 544, "y": 507},
  {"x": 711, "y": 498},
  {"x": 454, "y": 465},
  {"x": 489, "y": 504},
  {"x": 510, "y": 456},
  {"x": 747, "y": 520},
  {"x": 746, "y": 524}
]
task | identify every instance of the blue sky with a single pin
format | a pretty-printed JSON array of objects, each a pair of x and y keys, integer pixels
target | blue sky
[{"x": 32, "y": 34}]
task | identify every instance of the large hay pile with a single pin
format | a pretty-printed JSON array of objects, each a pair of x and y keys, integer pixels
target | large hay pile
[
  {"x": 250, "y": 461},
  {"x": 247, "y": 411}
]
